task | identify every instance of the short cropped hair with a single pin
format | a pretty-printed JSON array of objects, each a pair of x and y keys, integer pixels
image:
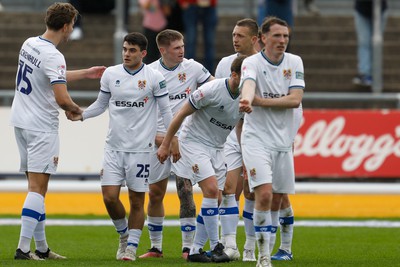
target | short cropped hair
[
  {"x": 136, "y": 38},
  {"x": 251, "y": 24},
  {"x": 236, "y": 65},
  {"x": 59, "y": 14},
  {"x": 166, "y": 37},
  {"x": 269, "y": 21}
]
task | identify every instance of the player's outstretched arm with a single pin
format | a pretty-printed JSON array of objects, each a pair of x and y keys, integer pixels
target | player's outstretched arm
[
  {"x": 248, "y": 92},
  {"x": 90, "y": 73},
  {"x": 164, "y": 149},
  {"x": 64, "y": 100},
  {"x": 292, "y": 100}
]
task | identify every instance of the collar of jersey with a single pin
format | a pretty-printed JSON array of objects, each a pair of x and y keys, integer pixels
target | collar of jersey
[
  {"x": 269, "y": 61},
  {"x": 165, "y": 66},
  {"x": 43, "y": 39},
  {"x": 134, "y": 72},
  {"x": 230, "y": 91}
]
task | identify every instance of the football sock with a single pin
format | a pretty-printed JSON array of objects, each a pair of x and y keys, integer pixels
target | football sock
[
  {"x": 209, "y": 211},
  {"x": 229, "y": 217},
  {"x": 134, "y": 237},
  {"x": 274, "y": 227},
  {"x": 249, "y": 225},
  {"x": 155, "y": 226},
  {"x": 121, "y": 226},
  {"x": 200, "y": 237},
  {"x": 40, "y": 235},
  {"x": 32, "y": 211},
  {"x": 287, "y": 224},
  {"x": 188, "y": 229},
  {"x": 262, "y": 227}
]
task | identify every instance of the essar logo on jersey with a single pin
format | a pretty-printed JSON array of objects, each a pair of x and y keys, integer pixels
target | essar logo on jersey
[
  {"x": 182, "y": 77},
  {"x": 130, "y": 104},
  {"x": 177, "y": 97},
  {"x": 142, "y": 84}
]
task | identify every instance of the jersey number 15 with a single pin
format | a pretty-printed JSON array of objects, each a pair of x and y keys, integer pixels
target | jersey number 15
[{"x": 23, "y": 71}]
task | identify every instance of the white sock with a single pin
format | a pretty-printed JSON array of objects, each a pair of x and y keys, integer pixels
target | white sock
[
  {"x": 200, "y": 237},
  {"x": 121, "y": 226},
  {"x": 274, "y": 228},
  {"x": 32, "y": 211},
  {"x": 155, "y": 226},
  {"x": 248, "y": 209},
  {"x": 229, "y": 217},
  {"x": 209, "y": 211},
  {"x": 134, "y": 237},
  {"x": 188, "y": 229},
  {"x": 287, "y": 224},
  {"x": 262, "y": 225},
  {"x": 40, "y": 235}
]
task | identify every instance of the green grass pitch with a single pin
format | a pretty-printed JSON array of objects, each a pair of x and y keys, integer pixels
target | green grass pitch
[{"x": 313, "y": 246}]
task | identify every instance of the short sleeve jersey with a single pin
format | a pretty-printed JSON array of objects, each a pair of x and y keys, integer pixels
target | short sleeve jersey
[
  {"x": 40, "y": 65},
  {"x": 224, "y": 66},
  {"x": 216, "y": 116},
  {"x": 132, "y": 107},
  {"x": 181, "y": 81},
  {"x": 273, "y": 127}
]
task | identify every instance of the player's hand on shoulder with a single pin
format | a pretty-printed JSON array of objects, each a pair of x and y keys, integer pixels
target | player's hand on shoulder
[
  {"x": 245, "y": 106},
  {"x": 176, "y": 155}
]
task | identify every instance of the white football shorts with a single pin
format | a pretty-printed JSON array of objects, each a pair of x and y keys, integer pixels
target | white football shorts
[
  {"x": 233, "y": 155},
  {"x": 267, "y": 166},
  {"x": 203, "y": 162},
  {"x": 38, "y": 150},
  {"x": 132, "y": 169}
]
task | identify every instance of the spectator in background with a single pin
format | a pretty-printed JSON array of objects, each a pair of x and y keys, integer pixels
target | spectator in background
[
  {"x": 363, "y": 17},
  {"x": 206, "y": 12},
  {"x": 154, "y": 21},
  {"x": 94, "y": 7}
]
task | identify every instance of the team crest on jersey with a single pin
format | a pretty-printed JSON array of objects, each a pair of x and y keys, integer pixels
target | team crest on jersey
[
  {"x": 287, "y": 74},
  {"x": 182, "y": 77},
  {"x": 142, "y": 84},
  {"x": 55, "y": 161},
  {"x": 195, "y": 168},
  {"x": 253, "y": 172},
  {"x": 146, "y": 99}
]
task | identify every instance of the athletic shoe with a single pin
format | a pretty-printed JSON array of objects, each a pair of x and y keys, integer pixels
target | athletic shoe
[
  {"x": 249, "y": 255},
  {"x": 49, "y": 255},
  {"x": 152, "y": 253},
  {"x": 200, "y": 257},
  {"x": 185, "y": 252},
  {"x": 233, "y": 253},
  {"x": 130, "y": 254},
  {"x": 282, "y": 255},
  {"x": 218, "y": 254},
  {"x": 123, "y": 242},
  {"x": 20, "y": 255},
  {"x": 264, "y": 262}
]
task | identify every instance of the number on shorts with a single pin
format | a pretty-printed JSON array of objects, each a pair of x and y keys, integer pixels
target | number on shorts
[{"x": 143, "y": 170}]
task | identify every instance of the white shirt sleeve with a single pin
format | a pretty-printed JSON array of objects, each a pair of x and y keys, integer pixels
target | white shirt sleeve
[
  {"x": 165, "y": 110},
  {"x": 98, "y": 106}
]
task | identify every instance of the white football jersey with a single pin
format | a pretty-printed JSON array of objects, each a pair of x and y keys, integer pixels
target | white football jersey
[
  {"x": 224, "y": 66},
  {"x": 273, "y": 127},
  {"x": 181, "y": 81},
  {"x": 132, "y": 107},
  {"x": 40, "y": 65},
  {"x": 216, "y": 116}
]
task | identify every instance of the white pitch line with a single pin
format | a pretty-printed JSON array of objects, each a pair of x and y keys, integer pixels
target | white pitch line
[{"x": 300, "y": 223}]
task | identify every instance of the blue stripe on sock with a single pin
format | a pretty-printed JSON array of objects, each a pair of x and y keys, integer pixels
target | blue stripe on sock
[
  {"x": 209, "y": 211},
  {"x": 264, "y": 228},
  {"x": 188, "y": 228},
  {"x": 132, "y": 244},
  {"x": 247, "y": 215},
  {"x": 286, "y": 220},
  {"x": 122, "y": 231},
  {"x": 274, "y": 229},
  {"x": 228, "y": 211},
  {"x": 31, "y": 213},
  {"x": 200, "y": 219},
  {"x": 154, "y": 228}
]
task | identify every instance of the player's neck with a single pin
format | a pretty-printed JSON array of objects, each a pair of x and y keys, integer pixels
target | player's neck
[
  {"x": 232, "y": 87},
  {"x": 248, "y": 53},
  {"x": 169, "y": 64},
  {"x": 51, "y": 36}
]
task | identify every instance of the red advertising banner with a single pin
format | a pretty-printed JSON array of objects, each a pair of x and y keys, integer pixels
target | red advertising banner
[{"x": 348, "y": 143}]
